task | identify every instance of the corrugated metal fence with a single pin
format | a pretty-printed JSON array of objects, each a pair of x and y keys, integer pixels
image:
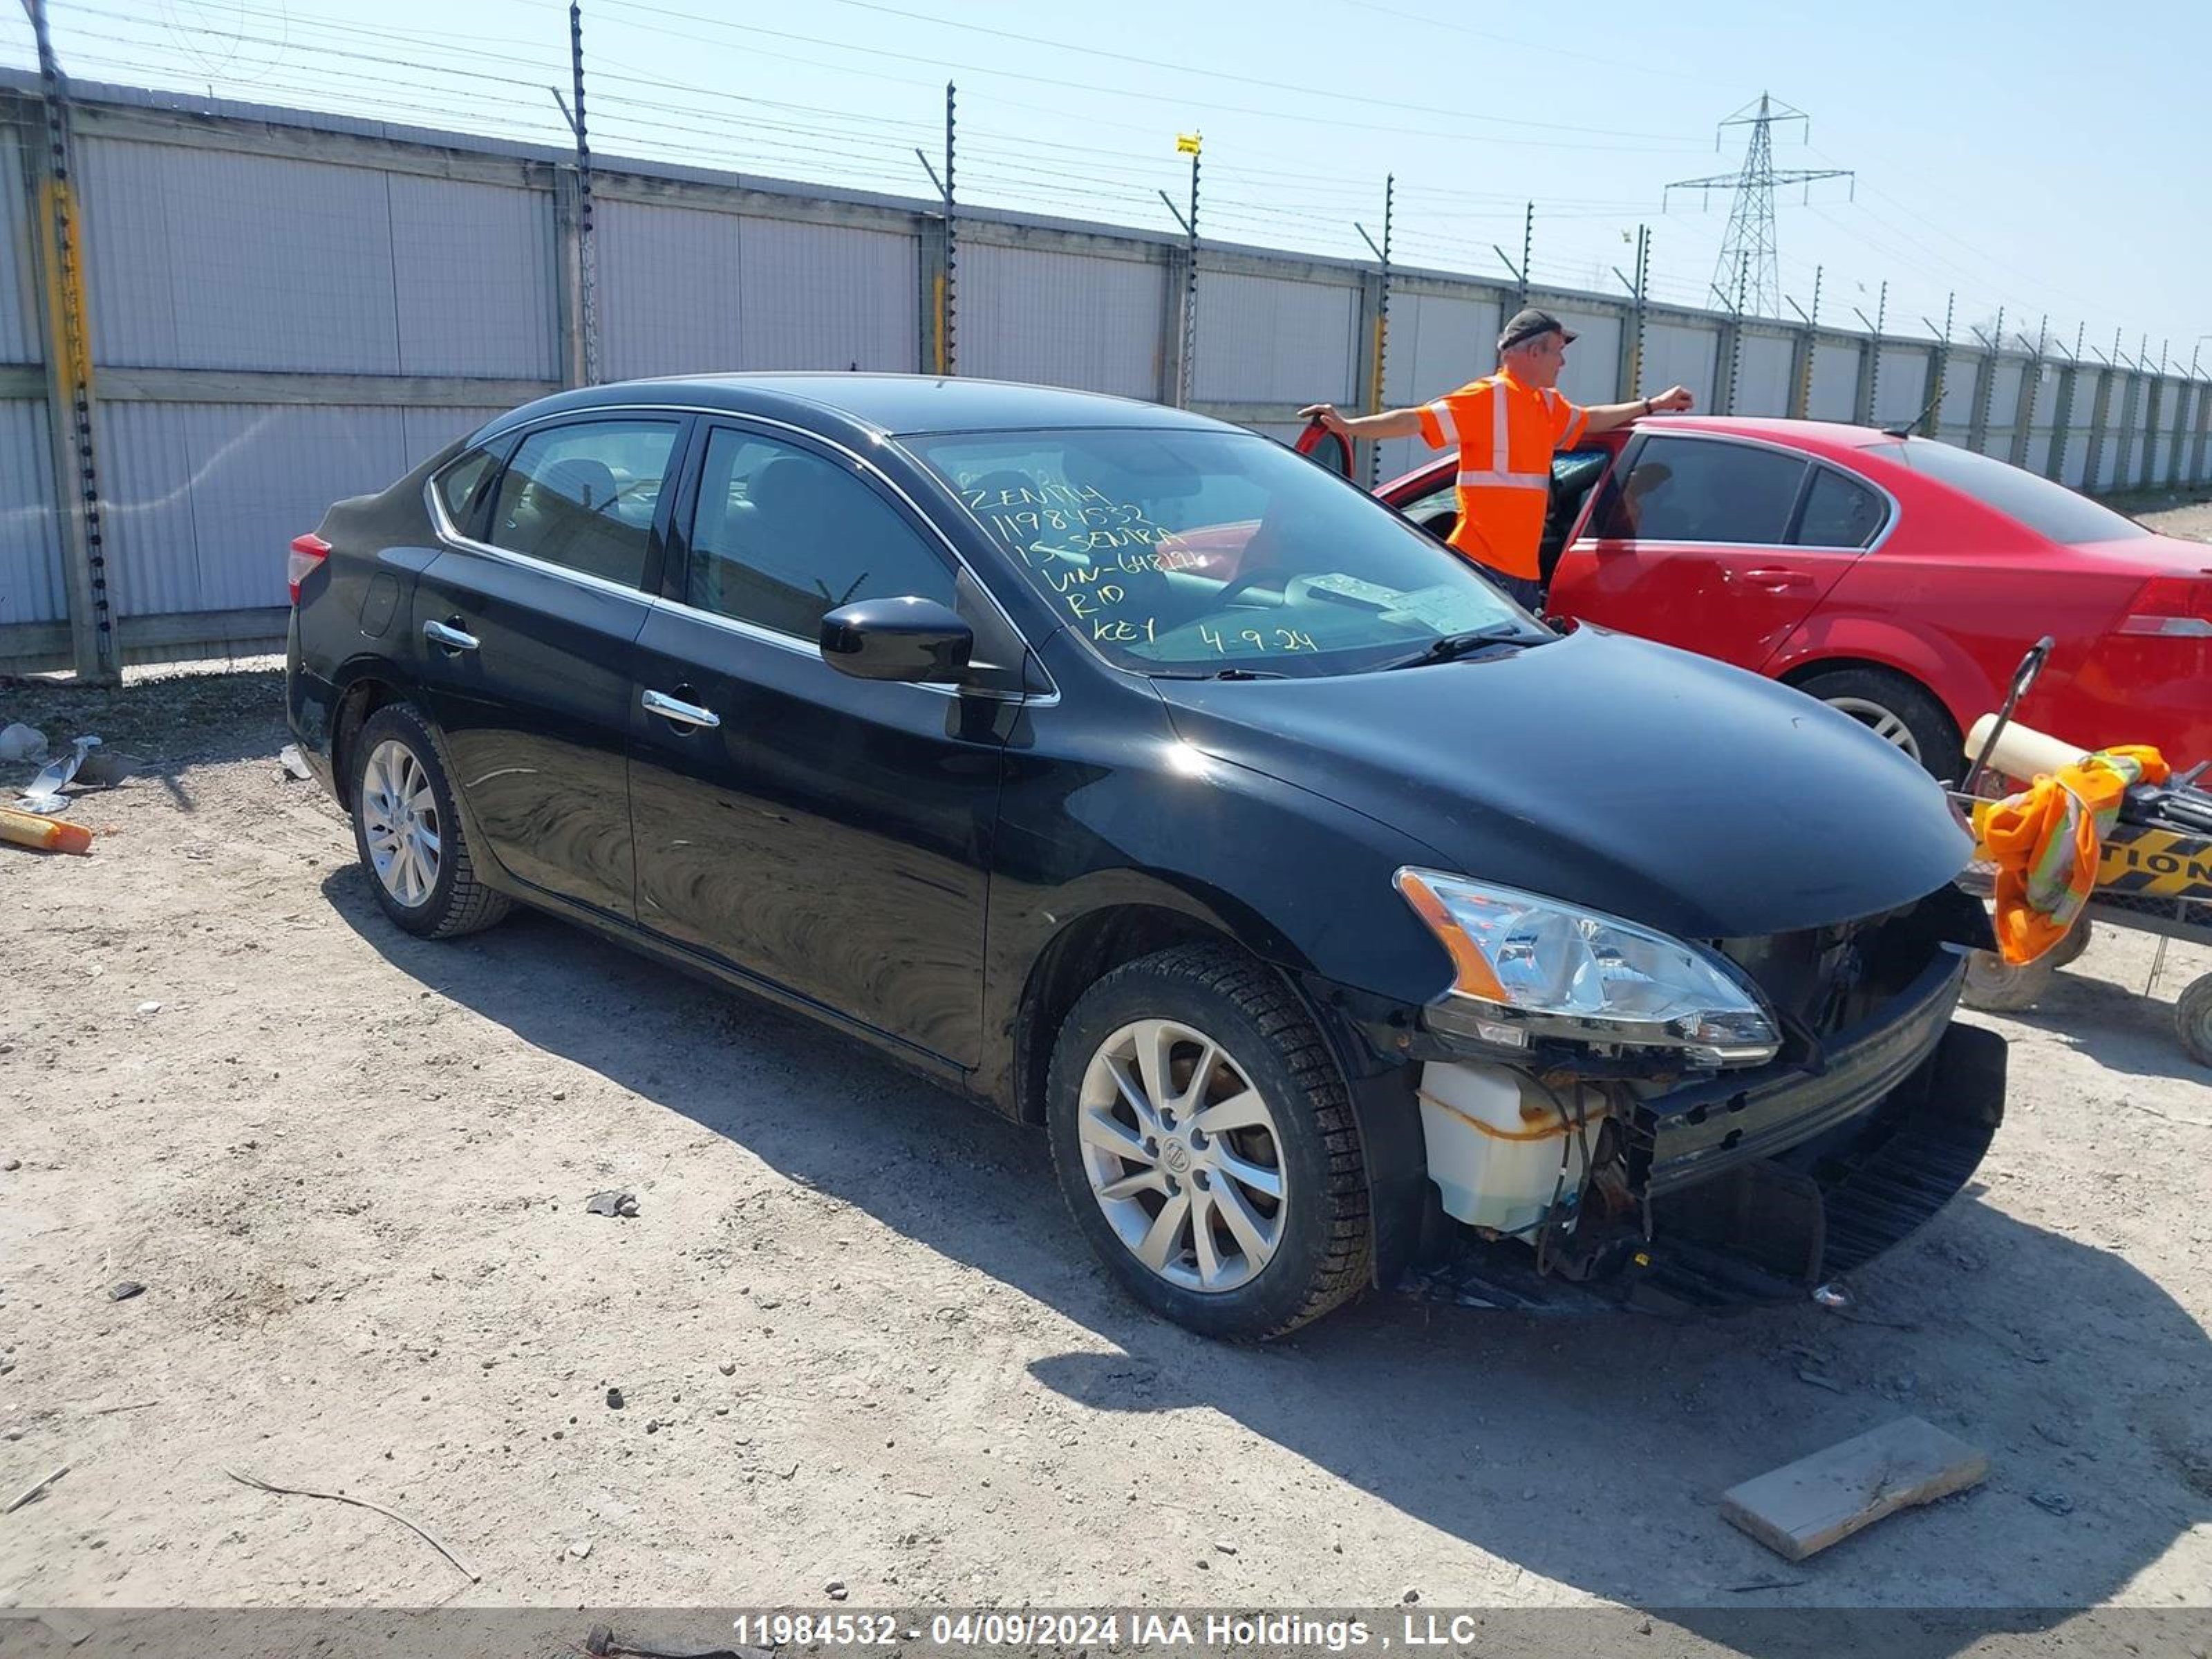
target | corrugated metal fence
[{"x": 286, "y": 308}]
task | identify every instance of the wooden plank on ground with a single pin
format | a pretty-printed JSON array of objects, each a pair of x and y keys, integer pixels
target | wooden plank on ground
[{"x": 1806, "y": 1506}]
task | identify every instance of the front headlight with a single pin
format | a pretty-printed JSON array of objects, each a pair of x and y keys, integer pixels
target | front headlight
[{"x": 1526, "y": 965}]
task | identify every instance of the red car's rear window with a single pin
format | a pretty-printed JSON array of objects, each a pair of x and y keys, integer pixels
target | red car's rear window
[{"x": 2051, "y": 510}]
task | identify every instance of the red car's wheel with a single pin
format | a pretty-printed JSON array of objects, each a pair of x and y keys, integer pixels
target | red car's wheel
[{"x": 1895, "y": 709}]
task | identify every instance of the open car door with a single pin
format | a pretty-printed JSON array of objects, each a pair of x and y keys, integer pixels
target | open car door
[{"x": 1329, "y": 449}]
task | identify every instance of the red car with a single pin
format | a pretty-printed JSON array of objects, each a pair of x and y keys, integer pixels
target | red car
[{"x": 1897, "y": 579}]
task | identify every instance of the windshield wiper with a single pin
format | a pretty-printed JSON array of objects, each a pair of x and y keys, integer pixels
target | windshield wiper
[
  {"x": 1451, "y": 647},
  {"x": 1228, "y": 674}
]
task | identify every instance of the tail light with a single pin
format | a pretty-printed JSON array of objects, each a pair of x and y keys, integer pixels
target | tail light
[
  {"x": 2176, "y": 607},
  {"x": 308, "y": 552}
]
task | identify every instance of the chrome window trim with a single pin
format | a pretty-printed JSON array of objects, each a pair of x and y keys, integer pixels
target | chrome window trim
[
  {"x": 1896, "y": 511},
  {"x": 754, "y": 631},
  {"x": 444, "y": 524}
]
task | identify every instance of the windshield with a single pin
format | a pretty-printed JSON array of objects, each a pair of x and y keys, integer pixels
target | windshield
[
  {"x": 2051, "y": 510},
  {"x": 1182, "y": 552}
]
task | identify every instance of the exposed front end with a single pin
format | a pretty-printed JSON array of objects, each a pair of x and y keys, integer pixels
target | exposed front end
[{"x": 1812, "y": 1107}]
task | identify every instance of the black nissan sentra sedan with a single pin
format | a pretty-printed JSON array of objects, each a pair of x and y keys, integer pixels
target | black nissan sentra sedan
[{"x": 1339, "y": 921}]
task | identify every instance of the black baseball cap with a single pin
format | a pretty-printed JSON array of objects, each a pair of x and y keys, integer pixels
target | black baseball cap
[{"x": 1526, "y": 325}]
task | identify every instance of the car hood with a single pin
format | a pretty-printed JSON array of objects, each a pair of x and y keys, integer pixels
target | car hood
[{"x": 1609, "y": 772}]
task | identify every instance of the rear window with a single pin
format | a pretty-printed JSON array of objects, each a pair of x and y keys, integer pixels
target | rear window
[{"x": 2051, "y": 511}]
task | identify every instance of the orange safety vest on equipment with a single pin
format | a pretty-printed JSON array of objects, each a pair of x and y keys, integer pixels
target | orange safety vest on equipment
[{"x": 1506, "y": 434}]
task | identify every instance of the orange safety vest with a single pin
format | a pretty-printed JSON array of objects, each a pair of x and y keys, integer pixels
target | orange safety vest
[{"x": 1506, "y": 434}]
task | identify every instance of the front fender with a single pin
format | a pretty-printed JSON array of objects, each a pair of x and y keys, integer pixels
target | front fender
[{"x": 1299, "y": 881}]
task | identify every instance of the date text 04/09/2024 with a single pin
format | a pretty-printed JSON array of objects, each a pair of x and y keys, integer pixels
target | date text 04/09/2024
[{"x": 1143, "y": 1631}]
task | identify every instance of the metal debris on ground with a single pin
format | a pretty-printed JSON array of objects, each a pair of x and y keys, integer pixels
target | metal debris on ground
[
  {"x": 126, "y": 1291},
  {"x": 36, "y": 1490},
  {"x": 45, "y": 795},
  {"x": 291, "y": 765},
  {"x": 2057, "y": 1503},
  {"x": 611, "y": 1203},
  {"x": 601, "y": 1643}
]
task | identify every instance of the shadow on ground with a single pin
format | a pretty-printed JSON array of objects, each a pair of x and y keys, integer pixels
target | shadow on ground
[{"x": 1590, "y": 1451}]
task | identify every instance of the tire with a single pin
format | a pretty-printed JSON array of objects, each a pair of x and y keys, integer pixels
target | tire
[
  {"x": 1996, "y": 987},
  {"x": 418, "y": 862},
  {"x": 2068, "y": 949},
  {"x": 1290, "y": 1125},
  {"x": 1897, "y": 709},
  {"x": 2193, "y": 1019}
]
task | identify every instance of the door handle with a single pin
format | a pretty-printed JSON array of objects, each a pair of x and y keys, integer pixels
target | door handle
[
  {"x": 1768, "y": 576},
  {"x": 683, "y": 713},
  {"x": 452, "y": 638}
]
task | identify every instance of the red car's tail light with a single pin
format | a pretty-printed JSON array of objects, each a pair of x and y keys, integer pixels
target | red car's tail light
[
  {"x": 2177, "y": 607},
  {"x": 307, "y": 552}
]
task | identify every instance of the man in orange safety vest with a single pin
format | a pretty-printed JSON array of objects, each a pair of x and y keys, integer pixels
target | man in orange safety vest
[{"x": 1505, "y": 428}]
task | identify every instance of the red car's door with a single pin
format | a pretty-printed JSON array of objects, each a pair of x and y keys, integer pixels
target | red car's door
[
  {"x": 1329, "y": 449},
  {"x": 1706, "y": 543}
]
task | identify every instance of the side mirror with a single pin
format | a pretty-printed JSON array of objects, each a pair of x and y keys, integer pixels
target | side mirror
[{"x": 918, "y": 640}]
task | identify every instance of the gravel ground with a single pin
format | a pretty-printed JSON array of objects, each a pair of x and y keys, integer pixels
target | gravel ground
[{"x": 857, "y": 1339}]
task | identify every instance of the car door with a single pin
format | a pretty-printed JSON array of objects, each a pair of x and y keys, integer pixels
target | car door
[
  {"x": 1432, "y": 501},
  {"x": 524, "y": 624},
  {"x": 827, "y": 834},
  {"x": 1329, "y": 450},
  {"x": 1689, "y": 543}
]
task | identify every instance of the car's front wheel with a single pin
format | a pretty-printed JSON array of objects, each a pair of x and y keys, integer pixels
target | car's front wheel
[
  {"x": 1204, "y": 1141},
  {"x": 408, "y": 834}
]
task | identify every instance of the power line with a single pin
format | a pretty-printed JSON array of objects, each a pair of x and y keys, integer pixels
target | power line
[
  {"x": 1090, "y": 50},
  {"x": 1179, "y": 103}
]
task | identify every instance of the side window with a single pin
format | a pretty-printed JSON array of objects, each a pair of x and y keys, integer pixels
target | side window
[
  {"x": 583, "y": 495},
  {"x": 781, "y": 537},
  {"x": 1839, "y": 511},
  {"x": 1436, "y": 512},
  {"x": 460, "y": 486},
  {"x": 1703, "y": 489}
]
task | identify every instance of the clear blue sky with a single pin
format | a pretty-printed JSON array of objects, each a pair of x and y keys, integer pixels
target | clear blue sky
[{"x": 2024, "y": 155}]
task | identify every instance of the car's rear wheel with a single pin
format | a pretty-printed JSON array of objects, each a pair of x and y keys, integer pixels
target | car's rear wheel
[
  {"x": 408, "y": 834},
  {"x": 1205, "y": 1143},
  {"x": 1896, "y": 710}
]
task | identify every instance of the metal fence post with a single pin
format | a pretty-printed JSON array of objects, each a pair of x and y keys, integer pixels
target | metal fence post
[
  {"x": 2031, "y": 388},
  {"x": 2098, "y": 413},
  {"x": 1368, "y": 366},
  {"x": 1175, "y": 272},
  {"x": 2203, "y": 432},
  {"x": 1870, "y": 364},
  {"x": 1985, "y": 388},
  {"x": 1805, "y": 351},
  {"x": 568, "y": 272},
  {"x": 65, "y": 328},
  {"x": 2154, "y": 412}
]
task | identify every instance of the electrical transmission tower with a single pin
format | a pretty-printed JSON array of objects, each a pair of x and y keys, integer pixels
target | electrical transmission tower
[{"x": 1749, "y": 276}]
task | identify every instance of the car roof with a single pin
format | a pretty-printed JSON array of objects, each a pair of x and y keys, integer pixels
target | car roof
[
  {"x": 1833, "y": 437},
  {"x": 897, "y": 405}
]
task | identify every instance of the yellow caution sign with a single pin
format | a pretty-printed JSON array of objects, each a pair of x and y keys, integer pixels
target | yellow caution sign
[{"x": 1187, "y": 143}]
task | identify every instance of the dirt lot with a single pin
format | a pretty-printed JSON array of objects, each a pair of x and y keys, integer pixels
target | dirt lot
[{"x": 856, "y": 1336}]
